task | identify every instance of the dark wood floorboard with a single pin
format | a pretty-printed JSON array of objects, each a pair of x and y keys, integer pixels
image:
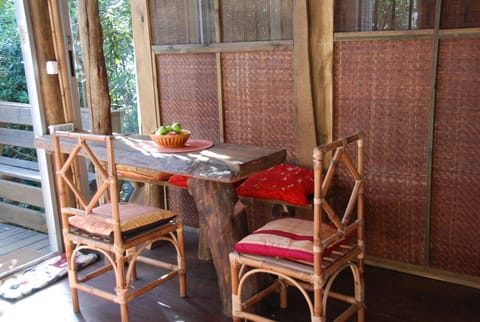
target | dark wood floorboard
[
  {"x": 390, "y": 296},
  {"x": 13, "y": 238}
]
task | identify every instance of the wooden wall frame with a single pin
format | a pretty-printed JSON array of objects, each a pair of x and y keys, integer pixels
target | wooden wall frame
[{"x": 313, "y": 37}]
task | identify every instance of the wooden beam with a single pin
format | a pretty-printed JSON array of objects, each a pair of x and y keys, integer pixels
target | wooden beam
[
  {"x": 149, "y": 116},
  {"x": 62, "y": 59},
  {"x": 321, "y": 51},
  {"x": 218, "y": 60},
  {"x": 224, "y": 47},
  {"x": 306, "y": 127},
  {"x": 49, "y": 84}
]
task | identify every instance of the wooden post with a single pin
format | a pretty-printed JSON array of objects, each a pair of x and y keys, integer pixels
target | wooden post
[
  {"x": 149, "y": 111},
  {"x": 306, "y": 127},
  {"x": 215, "y": 203},
  {"x": 97, "y": 91},
  {"x": 44, "y": 48},
  {"x": 321, "y": 51}
]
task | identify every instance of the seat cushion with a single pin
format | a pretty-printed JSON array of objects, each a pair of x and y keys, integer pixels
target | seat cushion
[
  {"x": 286, "y": 237},
  {"x": 132, "y": 218},
  {"x": 141, "y": 176},
  {"x": 286, "y": 183}
]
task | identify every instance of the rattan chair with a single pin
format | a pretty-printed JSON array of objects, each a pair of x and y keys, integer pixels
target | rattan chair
[
  {"x": 310, "y": 254},
  {"x": 121, "y": 231}
]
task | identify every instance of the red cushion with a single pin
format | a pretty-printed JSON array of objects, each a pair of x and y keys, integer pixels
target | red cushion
[
  {"x": 286, "y": 237},
  {"x": 284, "y": 182},
  {"x": 179, "y": 180}
]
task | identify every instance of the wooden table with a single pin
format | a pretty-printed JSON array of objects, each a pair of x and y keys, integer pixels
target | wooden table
[{"x": 213, "y": 173}]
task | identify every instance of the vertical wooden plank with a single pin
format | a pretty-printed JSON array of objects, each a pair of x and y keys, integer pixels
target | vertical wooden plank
[
  {"x": 149, "y": 113},
  {"x": 227, "y": 20},
  {"x": 218, "y": 57},
  {"x": 239, "y": 30},
  {"x": 287, "y": 19},
  {"x": 306, "y": 128},
  {"x": 192, "y": 21},
  {"x": 263, "y": 20},
  {"x": 211, "y": 11},
  {"x": 62, "y": 59},
  {"x": 321, "y": 41},
  {"x": 431, "y": 130},
  {"x": 276, "y": 19},
  {"x": 250, "y": 20}
]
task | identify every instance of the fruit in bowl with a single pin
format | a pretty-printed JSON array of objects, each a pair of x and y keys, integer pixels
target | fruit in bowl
[{"x": 170, "y": 136}]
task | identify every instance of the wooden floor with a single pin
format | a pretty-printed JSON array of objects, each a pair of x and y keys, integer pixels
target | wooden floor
[
  {"x": 13, "y": 238},
  {"x": 19, "y": 246},
  {"x": 390, "y": 296}
]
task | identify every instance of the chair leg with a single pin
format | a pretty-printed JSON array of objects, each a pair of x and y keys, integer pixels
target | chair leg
[
  {"x": 361, "y": 291},
  {"x": 319, "y": 311},
  {"x": 73, "y": 291},
  {"x": 122, "y": 285},
  {"x": 236, "y": 301},
  {"x": 181, "y": 261},
  {"x": 283, "y": 295},
  {"x": 72, "y": 276},
  {"x": 124, "y": 312}
]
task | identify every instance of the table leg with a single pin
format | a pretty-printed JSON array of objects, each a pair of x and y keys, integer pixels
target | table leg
[{"x": 215, "y": 203}]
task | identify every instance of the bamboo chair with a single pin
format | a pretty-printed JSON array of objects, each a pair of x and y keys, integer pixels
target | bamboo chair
[
  {"x": 121, "y": 231},
  {"x": 310, "y": 254}
]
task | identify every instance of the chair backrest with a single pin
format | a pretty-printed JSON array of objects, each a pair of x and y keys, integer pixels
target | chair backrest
[
  {"x": 96, "y": 149},
  {"x": 343, "y": 160}
]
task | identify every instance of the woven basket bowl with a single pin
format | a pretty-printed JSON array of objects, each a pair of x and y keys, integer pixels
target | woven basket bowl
[{"x": 171, "y": 140}]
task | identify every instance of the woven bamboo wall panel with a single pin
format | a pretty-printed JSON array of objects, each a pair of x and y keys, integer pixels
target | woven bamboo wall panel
[
  {"x": 187, "y": 87},
  {"x": 383, "y": 89},
  {"x": 176, "y": 22},
  {"x": 455, "y": 223},
  {"x": 187, "y": 91},
  {"x": 259, "y": 99},
  {"x": 181, "y": 202}
]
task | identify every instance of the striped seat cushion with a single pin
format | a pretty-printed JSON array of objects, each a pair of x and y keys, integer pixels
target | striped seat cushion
[
  {"x": 286, "y": 237},
  {"x": 132, "y": 218}
]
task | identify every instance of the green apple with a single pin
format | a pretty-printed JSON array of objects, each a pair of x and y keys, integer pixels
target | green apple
[
  {"x": 162, "y": 130},
  {"x": 176, "y": 127}
]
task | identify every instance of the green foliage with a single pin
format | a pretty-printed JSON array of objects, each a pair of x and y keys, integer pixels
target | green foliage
[
  {"x": 394, "y": 14},
  {"x": 119, "y": 56},
  {"x": 13, "y": 86}
]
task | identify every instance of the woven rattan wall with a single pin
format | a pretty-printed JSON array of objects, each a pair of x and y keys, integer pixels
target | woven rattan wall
[
  {"x": 258, "y": 103},
  {"x": 258, "y": 95},
  {"x": 383, "y": 89},
  {"x": 187, "y": 86},
  {"x": 187, "y": 91},
  {"x": 455, "y": 223}
]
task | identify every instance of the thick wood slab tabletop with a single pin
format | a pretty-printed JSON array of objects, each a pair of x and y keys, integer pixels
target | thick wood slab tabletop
[{"x": 225, "y": 162}]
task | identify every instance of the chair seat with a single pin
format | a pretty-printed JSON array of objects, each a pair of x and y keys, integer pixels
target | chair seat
[
  {"x": 133, "y": 217},
  {"x": 288, "y": 238}
]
